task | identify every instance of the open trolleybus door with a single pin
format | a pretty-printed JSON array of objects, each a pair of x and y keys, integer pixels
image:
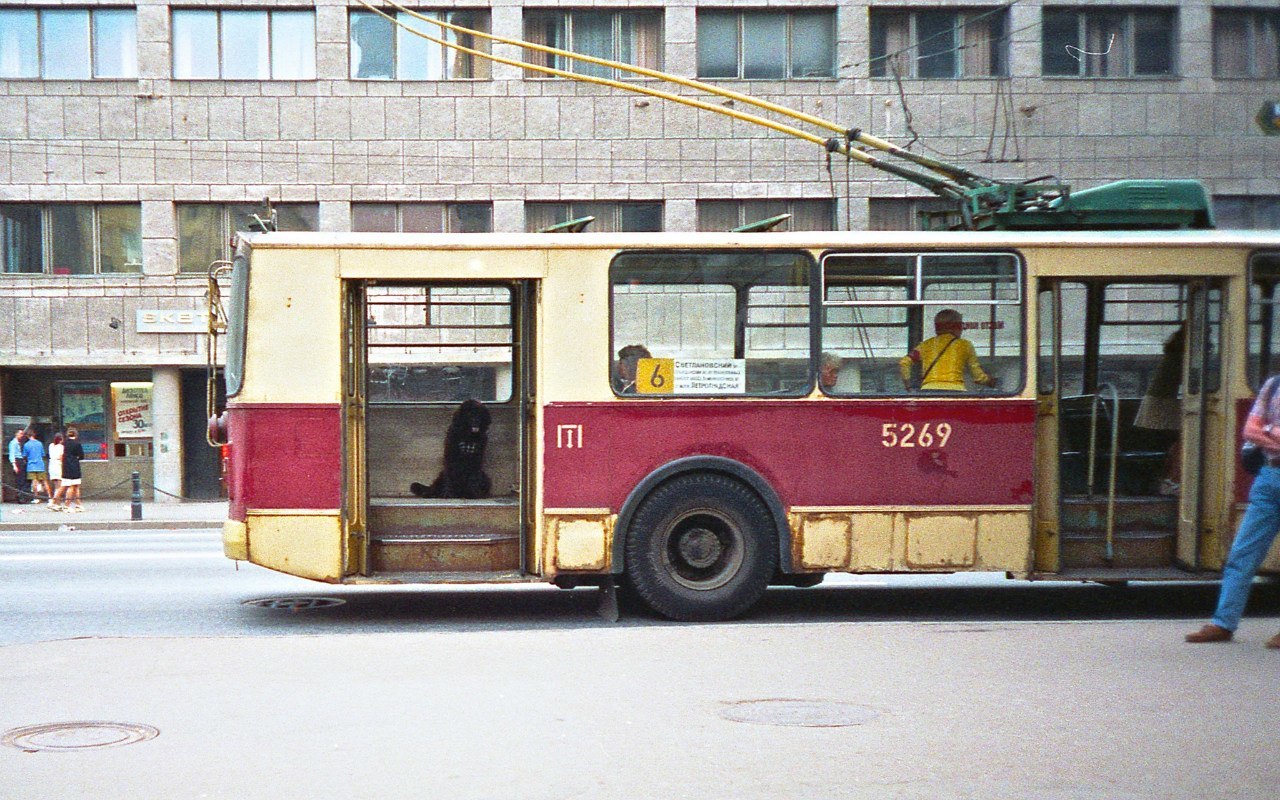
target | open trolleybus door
[
  {"x": 355, "y": 478},
  {"x": 1201, "y": 501},
  {"x": 1111, "y": 504},
  {"x": 438, "y": 401}
]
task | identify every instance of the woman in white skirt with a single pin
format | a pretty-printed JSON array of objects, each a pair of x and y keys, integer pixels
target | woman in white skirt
[
  {"x": 55, "y": 469},
  {"x": 1161, "y": 408}
]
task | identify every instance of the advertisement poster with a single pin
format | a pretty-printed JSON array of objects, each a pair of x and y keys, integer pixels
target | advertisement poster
[
  {"x": 132, "y": 405},
  {"x": 83, "y": 405}
]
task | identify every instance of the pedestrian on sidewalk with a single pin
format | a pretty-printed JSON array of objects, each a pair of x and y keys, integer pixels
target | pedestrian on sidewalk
[
  {"x": 37, "y": 471},
  {"x": 69, "y": 491},
  {"x": 55, "y": 467},
  {"x": 1258, "y": 528},
  {"x": 18, "y": 460}
]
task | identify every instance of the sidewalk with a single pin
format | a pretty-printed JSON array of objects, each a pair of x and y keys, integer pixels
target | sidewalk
[{"x": 113, "y": 515}]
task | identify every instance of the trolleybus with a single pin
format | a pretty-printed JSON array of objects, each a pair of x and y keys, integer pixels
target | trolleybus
[{"x": 717, "y": 459}]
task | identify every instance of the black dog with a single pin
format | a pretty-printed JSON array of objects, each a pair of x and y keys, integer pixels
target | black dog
[{"x": 463, "y": 474}]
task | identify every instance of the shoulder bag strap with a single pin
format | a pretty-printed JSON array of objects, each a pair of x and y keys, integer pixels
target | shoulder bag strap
[{"x": 924, "y": 375}]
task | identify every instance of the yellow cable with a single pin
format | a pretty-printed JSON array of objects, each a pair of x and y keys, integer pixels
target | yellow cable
[{"x": 937, "y": 185}]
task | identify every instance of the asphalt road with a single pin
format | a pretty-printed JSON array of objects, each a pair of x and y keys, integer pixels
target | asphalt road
[
  {"x": 61, "y": 585},
  {"x": 949, "y": 688}
]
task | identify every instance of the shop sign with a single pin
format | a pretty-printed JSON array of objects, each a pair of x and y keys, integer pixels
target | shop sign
[
  {"x": 132, "y": 404},
  {"x": 172, "y": 320}
]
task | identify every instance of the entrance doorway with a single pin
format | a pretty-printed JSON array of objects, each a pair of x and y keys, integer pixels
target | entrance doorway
[
  {"x": 1129, "y": 378},
  {"x": 439, "y": 395}
]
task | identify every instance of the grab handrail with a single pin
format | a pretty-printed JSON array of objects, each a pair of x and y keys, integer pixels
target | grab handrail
[{"x": 1095, "y": 400}]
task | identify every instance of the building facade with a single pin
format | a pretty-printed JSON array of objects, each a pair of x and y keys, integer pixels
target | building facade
[{"x": 135, "y": 140}]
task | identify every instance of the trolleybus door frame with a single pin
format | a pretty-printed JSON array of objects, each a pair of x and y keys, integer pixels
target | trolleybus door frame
[
  {"x": 1048, "y": 367},
  {"x": 1201, "y": 406},
  {"x": 354, "y": 405}
]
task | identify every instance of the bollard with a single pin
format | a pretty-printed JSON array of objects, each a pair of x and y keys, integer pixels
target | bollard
[{"x": 137, "y": 497}]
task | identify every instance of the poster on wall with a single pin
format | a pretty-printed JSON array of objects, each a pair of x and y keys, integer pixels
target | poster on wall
[
  {"x": 83, "y": 405},
  {"x": 131, "y": 403}
]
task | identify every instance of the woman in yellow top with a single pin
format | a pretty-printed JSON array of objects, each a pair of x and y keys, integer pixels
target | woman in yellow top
[{"x": 943, "y": 359}]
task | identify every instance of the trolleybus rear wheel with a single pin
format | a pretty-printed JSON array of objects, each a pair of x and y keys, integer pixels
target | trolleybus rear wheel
[{"x": 701, "y": 547}]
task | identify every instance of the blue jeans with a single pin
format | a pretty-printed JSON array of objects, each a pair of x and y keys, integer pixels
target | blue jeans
[{"x": 1257, "y": 531}]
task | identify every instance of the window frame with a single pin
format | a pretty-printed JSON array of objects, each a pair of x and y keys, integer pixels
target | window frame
[
  {"x": 616, "y": 208},
  {"x": 1083, "y": 15},
  {"x": 1256, "y": 372},
  {"x": 477, "y": 66},
  {"x": 919, "y": 299},
  {"x": 878, "y": 64},
  {"x": 1254, "y": 18},
  {"x": 546, "y": 15},
  {"x": 227, "y": 230},
  {"x": 788, "y": 67},
  {"x": 92, "y": 13},
  {"x": 220, "y": 43},
  {"x": 446, "y": 208},
  {"x": 45, "y": 212},
  {"x": 789, "y": 205},
  {"x": 812, "y": 315}
]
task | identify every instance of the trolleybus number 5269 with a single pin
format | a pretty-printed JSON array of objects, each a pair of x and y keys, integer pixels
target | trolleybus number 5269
[{"x": 904, "y": 434}]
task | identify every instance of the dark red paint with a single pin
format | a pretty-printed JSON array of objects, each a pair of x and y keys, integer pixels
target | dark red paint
[
  {"x": 812, "y": 453},
  {"x": 284, "y": 456}
]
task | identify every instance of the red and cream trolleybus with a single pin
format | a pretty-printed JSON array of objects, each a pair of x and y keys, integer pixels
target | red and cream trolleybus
[{"x": 757, "y": 428}]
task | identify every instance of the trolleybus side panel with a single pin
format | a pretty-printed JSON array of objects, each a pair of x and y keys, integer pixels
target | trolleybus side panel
[
  {"x": 284, "y": 456},
  {"x": 869, "y": 453}
]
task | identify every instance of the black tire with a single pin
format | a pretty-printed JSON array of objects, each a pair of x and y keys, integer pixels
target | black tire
[{"x": 701, "y": 547}]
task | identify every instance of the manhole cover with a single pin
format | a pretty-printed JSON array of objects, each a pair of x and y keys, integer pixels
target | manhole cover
[
  {"x": 799, "y": 713},
  {"x": 61, "y": 736},
  {"x": 295, "y": 603}
]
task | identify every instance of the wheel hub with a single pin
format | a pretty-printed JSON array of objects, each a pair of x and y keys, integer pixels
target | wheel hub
[{"x": 700, "y": 548}]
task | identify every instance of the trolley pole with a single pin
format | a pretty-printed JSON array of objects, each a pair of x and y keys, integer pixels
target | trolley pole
[{"x": 136, "y": 508}]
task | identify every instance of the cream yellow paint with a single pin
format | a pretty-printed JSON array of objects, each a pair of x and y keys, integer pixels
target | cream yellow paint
[
  {"x": 235, "y": 540},
  {"x": 306, "y": 545},
  {"x": 579, "y": 541},
  {"x": 293, "y": 349}
]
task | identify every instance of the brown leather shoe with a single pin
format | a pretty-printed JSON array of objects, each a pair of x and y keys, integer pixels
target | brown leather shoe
[
  {"x": 1215, "y": 633},
  {"x": 1274, "y": 642}
]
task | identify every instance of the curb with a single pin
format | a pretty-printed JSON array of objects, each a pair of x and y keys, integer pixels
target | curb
[{"x": 112, "y": 525}]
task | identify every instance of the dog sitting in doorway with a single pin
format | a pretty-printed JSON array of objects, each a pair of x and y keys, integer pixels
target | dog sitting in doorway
[{"x": 463, "y": 475}]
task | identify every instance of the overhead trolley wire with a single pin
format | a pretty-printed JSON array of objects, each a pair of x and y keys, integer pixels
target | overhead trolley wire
[{"x": 951, "y": 184}]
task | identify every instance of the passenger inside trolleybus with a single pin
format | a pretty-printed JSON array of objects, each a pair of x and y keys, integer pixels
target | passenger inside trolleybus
[{"x": 943, "y": 359}]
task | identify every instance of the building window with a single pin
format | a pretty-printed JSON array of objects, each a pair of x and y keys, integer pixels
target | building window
[
  {"x": 244, "y": 45},
  {"x": 205, "y": 230},
  {"x": 1247, "y": 212},
  {"x": 1246, "y": 43},
  {"x": 68, "y": 43},
  {"x": 910, "y": 213},
  {"x": 422, "y": 217},
  {"x": 1110, "y": 43},
  {"x": 386, "y": 50},
  {"x": 609, "y": 217},
  {"x": 938, "y": 44},
  {"x": 632, "y": 37},
  {"x": 766, "y": 45},
  {"x": 806, "y": 215},
  {"x": 70, "y": 239}
]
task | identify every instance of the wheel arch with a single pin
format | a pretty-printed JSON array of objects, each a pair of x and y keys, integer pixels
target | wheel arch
[{"x": 694, "y": 464}]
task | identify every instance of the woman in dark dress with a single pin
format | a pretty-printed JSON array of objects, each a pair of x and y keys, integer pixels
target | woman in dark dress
[{"x": 69, "y": 489}]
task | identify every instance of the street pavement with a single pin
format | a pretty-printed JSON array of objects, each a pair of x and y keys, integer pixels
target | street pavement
[
  {"x": 547, "y": 701},
  {"x": 113, "y": 515}
]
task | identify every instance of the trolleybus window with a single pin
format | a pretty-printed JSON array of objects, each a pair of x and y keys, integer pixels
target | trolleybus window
[
  {"x": 439, "y": 344},
  {"x": 713, "y": 323},
  {"x": 877, "y": 307},
  {"x": 1264, "y": 327},
  {"x": 237, "y": 310}
]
